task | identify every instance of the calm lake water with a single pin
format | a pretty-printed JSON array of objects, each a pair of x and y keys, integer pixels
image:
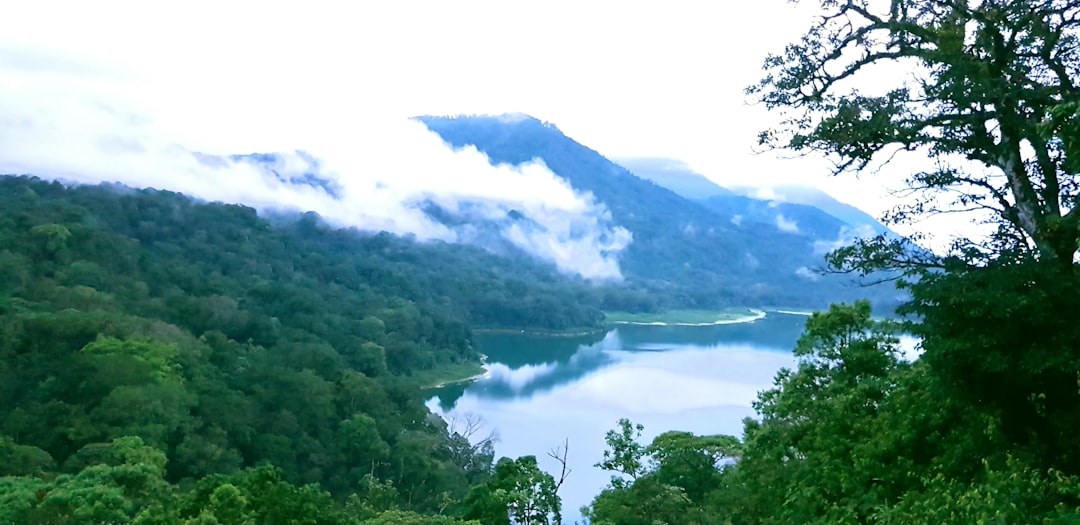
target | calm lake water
[{"x": 540, "y": 391}]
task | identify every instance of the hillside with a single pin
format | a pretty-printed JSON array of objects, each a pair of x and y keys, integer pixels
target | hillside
[
  {"x": 142, "y": 320},
  {"x": 683, "y": 250}
]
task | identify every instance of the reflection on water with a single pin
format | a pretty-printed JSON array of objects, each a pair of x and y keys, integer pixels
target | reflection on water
[
  {"x": 540, "y": 391},
  {"x": 522, "y": 366}
]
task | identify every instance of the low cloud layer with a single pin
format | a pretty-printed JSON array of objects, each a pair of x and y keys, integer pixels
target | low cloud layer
[
  {"x": 63, "y": 117},
  {"x": 846, "y": 237},
  {"x": 785, "y": 225}
]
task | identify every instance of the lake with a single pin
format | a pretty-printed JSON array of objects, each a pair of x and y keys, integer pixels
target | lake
[{"x": 540, "y": 391}]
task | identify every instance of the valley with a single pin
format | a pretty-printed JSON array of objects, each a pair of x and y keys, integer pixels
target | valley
[
  {"x": 217, "y": 348},
  {"x": 249, "y": 339},
  {"x": 512, "y": 263}
]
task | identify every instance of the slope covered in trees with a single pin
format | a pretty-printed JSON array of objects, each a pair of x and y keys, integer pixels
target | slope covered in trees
[{"x": 170, "y": 360}]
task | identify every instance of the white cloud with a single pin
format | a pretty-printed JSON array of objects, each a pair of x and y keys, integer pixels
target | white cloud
[
  {"x": 846, "y": 236},
  {"x": 807, "y": 273},
  {"x": 786, "y": 225},
  {"x": 74, "y": 120},
  {"x": 276, "y": 77},
  {"x": 750, "y": 261},
  {"x": 764, "y": 193}
]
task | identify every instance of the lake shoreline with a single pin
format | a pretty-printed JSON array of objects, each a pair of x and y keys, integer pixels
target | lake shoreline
[
  {"x": 718, "y": 318},
  {"x": 723, "y": 317},
  {"x": 449, "y": 382},
  {"x": 454, "y": 374},
  {"x": 542, "y": 333},
  {"x": 545, "y": 391}
]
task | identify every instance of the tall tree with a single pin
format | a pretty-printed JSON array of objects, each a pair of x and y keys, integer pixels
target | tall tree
[
  {"x": 518, "y": 493},
  {"x": 988, "y": 93}
]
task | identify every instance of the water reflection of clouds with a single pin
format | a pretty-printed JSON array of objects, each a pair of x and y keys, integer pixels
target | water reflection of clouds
[
  {"x": 530, "y": 379},
  {"x": 656, "y": 347},
  {"x": 692, "y": 384},
  {"x": 608, "y": 379},
  {"x": 643, "y": 389},
  {"x": 688, "y": 380},
  {"x": 518, "y": 378},
  {"x": 701, "y": 390}
]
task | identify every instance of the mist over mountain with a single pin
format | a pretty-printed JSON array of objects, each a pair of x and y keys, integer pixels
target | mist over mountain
[
  {"x": 817, "y": 212},
  {"x": 818, "y": 199},
  {"x": 674, "y": 175},
  {"x": 384, "y": 174},
  {"x": 692, "y": 252},
  {"x": 510, "y": 184}
]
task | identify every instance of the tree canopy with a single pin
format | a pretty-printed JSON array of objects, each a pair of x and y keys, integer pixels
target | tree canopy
[
  {"x": 987, "y": 90},
  {"x": 169, "y": 361},
  {"x": 981, "y": 428},
  {"x": 852, "y": 434}
]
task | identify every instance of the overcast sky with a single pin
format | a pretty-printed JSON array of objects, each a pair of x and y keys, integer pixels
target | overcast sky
[{"x": 625, "y": 78}]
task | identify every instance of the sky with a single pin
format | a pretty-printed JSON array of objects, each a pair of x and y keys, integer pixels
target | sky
[{"x": 126, "y": 91}]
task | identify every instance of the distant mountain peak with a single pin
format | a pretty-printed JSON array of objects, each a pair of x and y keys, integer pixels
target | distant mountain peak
[
  {"x": 682, "y": 247},
  {"x": 810, "y": 196},
  {"x": 503, "y": 119},
  {"x": 514, "y": 118},
  {"x": 751, "y": 202},
  {"x": 674, "y": 175}
]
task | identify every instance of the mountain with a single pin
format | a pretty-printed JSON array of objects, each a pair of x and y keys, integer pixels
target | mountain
[
  {"x": 674, "y": 175},
  {"x": 815, "y": 211},
  {"x": 683, "y": 250},
  {"x": 809, "y": 221},
  {"x": 277, "y": 165},
  {"x": 825, "y": 202}
]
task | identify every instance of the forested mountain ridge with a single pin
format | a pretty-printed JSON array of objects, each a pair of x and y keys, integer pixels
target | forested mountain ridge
[
  {"x": 148, "y": 340},
  {"x": 681, "y": 250},
  {"x": 815, "y": 212}
]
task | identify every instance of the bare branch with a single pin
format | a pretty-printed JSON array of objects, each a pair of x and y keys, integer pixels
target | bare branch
[{"x": 560, "y": 454}]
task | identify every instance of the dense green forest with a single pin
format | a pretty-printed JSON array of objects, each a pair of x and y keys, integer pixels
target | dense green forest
[{"x": 163, "y": 360}]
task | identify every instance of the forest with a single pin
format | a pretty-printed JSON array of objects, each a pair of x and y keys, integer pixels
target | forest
[{"x": 169, "y": 361}]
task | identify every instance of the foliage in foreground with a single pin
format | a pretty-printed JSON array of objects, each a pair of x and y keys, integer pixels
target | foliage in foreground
[
  {"x": 129, "y": 486},
  {"x": 855, "y": 434},
  {"x": 983, "y": 427}
]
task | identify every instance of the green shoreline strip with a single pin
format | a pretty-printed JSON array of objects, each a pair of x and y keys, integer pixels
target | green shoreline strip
[{"x": 686, "y": 317}]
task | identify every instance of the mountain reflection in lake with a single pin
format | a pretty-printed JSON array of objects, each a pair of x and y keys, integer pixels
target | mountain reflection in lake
[{"x": 541, "y": 390}]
